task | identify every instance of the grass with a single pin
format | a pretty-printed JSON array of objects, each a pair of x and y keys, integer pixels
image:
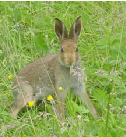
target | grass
[{"x": 27, "y": 33}]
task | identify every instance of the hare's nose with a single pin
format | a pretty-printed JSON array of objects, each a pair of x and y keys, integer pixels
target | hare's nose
[{"x": 70, "y": 62}]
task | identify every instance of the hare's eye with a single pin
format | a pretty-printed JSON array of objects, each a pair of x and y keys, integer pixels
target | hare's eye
[
  {"x": 61, "y": 49},
  {"x": 76, "y": 49}
]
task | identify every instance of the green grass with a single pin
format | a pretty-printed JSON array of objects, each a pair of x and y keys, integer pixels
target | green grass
[{"x": 27, "y": 33}]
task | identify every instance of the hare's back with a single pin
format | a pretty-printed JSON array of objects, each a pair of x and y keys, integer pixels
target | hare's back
[{"x": 41, "y": 69}]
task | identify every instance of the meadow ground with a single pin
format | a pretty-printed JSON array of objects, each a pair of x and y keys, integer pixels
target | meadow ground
[{"x": 27, "y": 33}]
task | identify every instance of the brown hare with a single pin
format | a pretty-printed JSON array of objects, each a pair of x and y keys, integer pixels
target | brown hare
[{"x": 44, "y": 76}]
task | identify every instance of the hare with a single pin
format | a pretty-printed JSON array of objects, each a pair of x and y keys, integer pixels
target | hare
[{"x": 44, "y": 76}]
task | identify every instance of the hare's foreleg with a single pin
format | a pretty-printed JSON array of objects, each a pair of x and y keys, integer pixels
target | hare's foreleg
[
  {"x": 90, "y": 105},
  {"x": 60, "y": 96},
  {"x": 80, "y": 92}
]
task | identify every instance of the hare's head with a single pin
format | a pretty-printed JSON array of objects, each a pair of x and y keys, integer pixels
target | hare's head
[{"x": 68, "y": 54}]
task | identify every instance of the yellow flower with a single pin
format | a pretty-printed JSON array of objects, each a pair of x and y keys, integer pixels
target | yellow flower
[
  {"x": 49, "y": 97},
  {"x": 30, "y": 103},
  {"x": 10, "y": 77},
  {"x": 60, "y": 88}
]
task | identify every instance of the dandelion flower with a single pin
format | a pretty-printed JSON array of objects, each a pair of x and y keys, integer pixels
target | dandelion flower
[
  {"x": 10, "y": 77},
  {"x": 49, "y": 97},
  {"x": 30, "y": 103},
  {"x": 60, "y": 88}
]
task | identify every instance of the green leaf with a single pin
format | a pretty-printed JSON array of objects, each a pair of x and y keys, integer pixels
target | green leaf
[{"x": 79, "y": 109}]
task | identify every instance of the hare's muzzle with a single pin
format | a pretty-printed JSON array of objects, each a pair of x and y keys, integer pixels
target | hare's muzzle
[
  {"x": 70, "y": 59},
  {"x": 67, "y": 59}
]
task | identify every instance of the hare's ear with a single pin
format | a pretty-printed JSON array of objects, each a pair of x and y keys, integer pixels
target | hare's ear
[
  {"x": 75, "y": 29},
  {"x": 60, "y": 29}
]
